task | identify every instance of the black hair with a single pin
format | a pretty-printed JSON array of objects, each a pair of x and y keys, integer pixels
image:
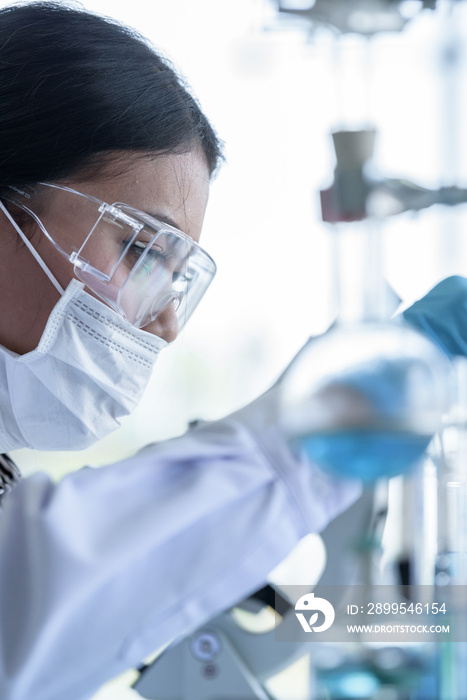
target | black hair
[{"x": 77, "y": 88}]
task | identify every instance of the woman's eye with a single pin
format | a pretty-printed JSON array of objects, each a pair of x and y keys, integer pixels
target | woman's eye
[
  {"x": 180, "y": 278},
  {"x": 137, "y": 248}
]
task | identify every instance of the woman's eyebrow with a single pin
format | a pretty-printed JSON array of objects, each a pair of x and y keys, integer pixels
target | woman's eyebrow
[{"x": 164, "y": 219}]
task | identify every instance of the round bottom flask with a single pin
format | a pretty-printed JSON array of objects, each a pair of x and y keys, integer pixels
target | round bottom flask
[{"x": 363, "y": 401}]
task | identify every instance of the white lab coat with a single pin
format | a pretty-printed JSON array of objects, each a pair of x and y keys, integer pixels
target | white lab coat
[{"x": 104, "y": 568}]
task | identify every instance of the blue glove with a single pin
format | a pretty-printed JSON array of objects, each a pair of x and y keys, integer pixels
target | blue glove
[{"x": 442, "y": 315}]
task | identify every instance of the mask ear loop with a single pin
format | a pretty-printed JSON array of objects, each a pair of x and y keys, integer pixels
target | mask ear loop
[{"x": 28, "y": 243}]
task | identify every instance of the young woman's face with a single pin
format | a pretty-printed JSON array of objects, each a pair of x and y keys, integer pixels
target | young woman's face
[{"x": 172, "y": 188}]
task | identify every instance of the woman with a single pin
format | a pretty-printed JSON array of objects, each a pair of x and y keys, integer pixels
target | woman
[{"x": 104, "y": 179}]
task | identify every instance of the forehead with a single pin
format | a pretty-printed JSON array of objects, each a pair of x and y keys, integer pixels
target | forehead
[{"x": 173, "y": 187}]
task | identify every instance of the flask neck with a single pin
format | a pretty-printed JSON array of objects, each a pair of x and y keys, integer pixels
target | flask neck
[{"x": 361, "y": 292}]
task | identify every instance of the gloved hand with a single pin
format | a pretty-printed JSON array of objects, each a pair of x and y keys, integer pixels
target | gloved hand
[{"x": 442, "y": 315}]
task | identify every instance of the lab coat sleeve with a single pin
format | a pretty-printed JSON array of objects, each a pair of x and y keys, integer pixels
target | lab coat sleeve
[{"x": 100, "y": 570}]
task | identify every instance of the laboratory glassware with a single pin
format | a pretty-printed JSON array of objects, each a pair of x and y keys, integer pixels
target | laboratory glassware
[{"x": 364, "y": 399}]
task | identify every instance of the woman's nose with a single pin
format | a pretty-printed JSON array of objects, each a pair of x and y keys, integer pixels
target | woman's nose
[{"x": 165, "y": 325}]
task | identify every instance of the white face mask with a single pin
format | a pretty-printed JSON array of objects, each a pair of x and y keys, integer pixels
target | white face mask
[{"x": 89, "y": 370}]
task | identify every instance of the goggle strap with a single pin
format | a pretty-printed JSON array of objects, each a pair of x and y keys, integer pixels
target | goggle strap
[{"x": 28, "y": 243}]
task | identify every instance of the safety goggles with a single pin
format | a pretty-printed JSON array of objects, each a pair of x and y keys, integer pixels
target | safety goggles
[{"x": 138, "y": 265}]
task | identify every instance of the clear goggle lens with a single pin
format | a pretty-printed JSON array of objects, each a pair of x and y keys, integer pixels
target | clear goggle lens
[{"x": 140, "y": 266}]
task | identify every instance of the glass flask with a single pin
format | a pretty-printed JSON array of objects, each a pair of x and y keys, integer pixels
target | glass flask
[{"x": 364, "y": 399}]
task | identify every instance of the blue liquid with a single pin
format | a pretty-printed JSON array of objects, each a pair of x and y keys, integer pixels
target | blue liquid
[
  {"x": 361, "y": 680},
  {"x": 356, "y": 683},
  {"x": 363, "y": 454}
]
